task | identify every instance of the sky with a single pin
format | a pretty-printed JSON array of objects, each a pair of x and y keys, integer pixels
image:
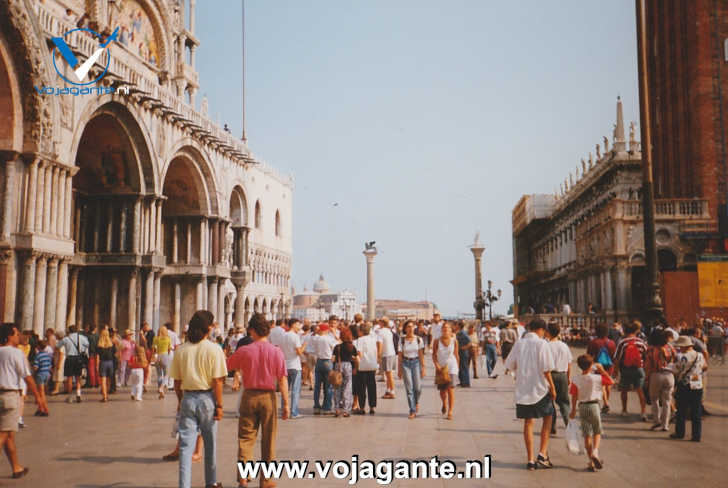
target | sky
[{"x": 424, "y": 121}]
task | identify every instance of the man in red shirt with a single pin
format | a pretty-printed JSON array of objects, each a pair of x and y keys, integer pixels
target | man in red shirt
[{"x": 262, "y": 364}]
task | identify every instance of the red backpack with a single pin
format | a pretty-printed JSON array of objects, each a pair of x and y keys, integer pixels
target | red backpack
[{"x": 632, "y": 356}]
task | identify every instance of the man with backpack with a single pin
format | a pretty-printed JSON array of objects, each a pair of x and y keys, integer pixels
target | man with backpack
[
  {"x": 630, "y": 359},
  {"x": 602, "y": 349}
]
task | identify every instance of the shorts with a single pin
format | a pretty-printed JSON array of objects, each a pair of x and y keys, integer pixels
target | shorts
[
  {"x": 42, "y": 378},
  {"x": 311, "y": 361},
  {"x": 389, "y": 363},
  {"x": 445, "y": 386},
  {"x": 72, "y": 366},
  {"x": 106, "y": 368},
  {"x": 543, "y": 408},
  {"x": 590, "y": 418},
  {"x": 9, "y": 411},
  {"x": 506, "y": 349},
  {"x": 631, "y": 378}
]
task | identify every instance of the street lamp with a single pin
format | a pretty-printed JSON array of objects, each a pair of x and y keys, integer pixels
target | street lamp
[{"x": 490, "y": 297}]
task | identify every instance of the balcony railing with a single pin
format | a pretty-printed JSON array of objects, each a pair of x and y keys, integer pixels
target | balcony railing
[{"x": 670, "y": 208}]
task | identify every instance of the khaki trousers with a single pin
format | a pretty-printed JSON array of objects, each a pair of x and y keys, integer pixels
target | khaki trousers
[{"x": 257, "y": 412}]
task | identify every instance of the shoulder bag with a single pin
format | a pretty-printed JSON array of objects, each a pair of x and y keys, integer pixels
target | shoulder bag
[{"x": 335, "y": 376}]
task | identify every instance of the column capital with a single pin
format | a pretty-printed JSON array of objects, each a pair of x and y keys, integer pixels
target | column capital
[
  {"x": 53, "y": 261},
  {"x": 5, "y": 255}
]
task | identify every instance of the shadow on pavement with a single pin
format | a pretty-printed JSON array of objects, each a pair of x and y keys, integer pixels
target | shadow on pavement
[{"x": 110, "y": 459}]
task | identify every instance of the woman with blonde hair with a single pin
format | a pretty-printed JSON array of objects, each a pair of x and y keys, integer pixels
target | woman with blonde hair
[
  {"x": 106, "y": 351},
  {"x": 446, "y": 358},
  {"x": 162, "y": 347}
]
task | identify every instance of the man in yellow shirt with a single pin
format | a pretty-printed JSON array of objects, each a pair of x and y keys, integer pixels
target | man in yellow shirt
[{"x": 199, "y": 370}]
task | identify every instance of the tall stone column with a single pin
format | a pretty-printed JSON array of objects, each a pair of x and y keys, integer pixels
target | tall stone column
[
  {"x": 160, "y": 228},
  {"x": 53, "y": 210},
  {"x": 177, "y": 313},
  {"x": 199, "y": 305},
  {"x": 113, "y": 299},
  {"x": 175, "y": 242},
  {"x": 62, "y": 298},
  {"x": 48, "y": 190},
  {"x": 60, "y": 229},
  {"x": 212, "y": 298},
  {"x": 477, "y": 249},
  {"x": 122, "y": 227},
  {"x": 149, "y": 298},
  {"x": 203, "y": 241},
  {"x": 69, "y": 202},
  {"x": 81, "y": 297},
  {"x": 39, "y": 195},
  {"x": 136, "y": 228},
  {"x": 609, "y": 306},
  {"x": 152, "y": 228},
  {"x": 133, "y": 276},
  {"x": 221, "y": 303},
  {"x": 51, "y": 294},
  {"x": 110, "y": 227},
  {"x": 72, "y": 297},
  {"x": 239, "y": 308},
  {"x": 28, "y": 294},
  {"x": 157, "y": 299},
  {"x": 41, "y": 275},
  {"x": 189, "y": 243},
  {"x": 31, "y": 197},
  {"x": 623, "y": 290},
  {"x": 8, "y": 286},
  {"x": 8, "y": 196},
  {"x": 370, "y": 253}
]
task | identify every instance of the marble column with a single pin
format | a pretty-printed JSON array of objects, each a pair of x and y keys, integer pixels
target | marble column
[
  {"x": 39, "y": 194},
  {"x": 69, "y": 204},
  {"x": 133, "y": 275},
  {"x": 212, "y": 298},
  {"x": 149, "y": 298},
  {"x": 48, "y": 190},
  {"x": 136, "y": 229},
  {"x": 31, "y": 197},
  {"x": 81, "y": 297},
  {"x": 221, "y": 303},
  {"x": 95, "y": 282},
  {"x": 72, "y": 297},
  {"x": 177, "y": 312},
  {"x": 60, "y": 230},
  {"x": 623, "y": 289},
  {"x": 608, "y": 291},
  {"x": 51, "y": 294},
  {"x": 160, "y": 228},
  {"x": 198, "y": 294},
  {"x": 8, "y": 194},
  {"x": 145, "y": 227},
  {"x": 157, "y": 299},
  {"x": 41, "y": 275},
  {"x": 175, "y": 242},
  {"x": 370, "y": 255},
  {"x": 110, "y": 226},
  {"x": 54, "y": 194},
  {"x": 122, "y": 228},
  {"x": 62, "y": 298},
  {"x": 113, "y": 299},
  {"x": 239, "y": 308},
  {"x": 602, "y": 291},
  {"x": 215, "y": 241},
  {"x": 205, "y": 295},
  {"x": 189, "y": 242},
  {"x": 203, "y": 245},
  {"x": 28, "y": 294},
  {"x": 152, "y": 228},
  {"x": 97, "y": 226}
]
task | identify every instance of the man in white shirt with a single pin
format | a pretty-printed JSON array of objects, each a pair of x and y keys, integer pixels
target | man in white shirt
[
  {"x": 388, "y": 357},
  {"x": 277, "y": 334},
  {"x": 292, "y": 347},
  {"x": 532, "y": 361},
  {"x": 14, "y": 369},
  {"x": 436, "y": 327},
  {"x": 561, "y": 375},
  {"x": 323, "y": 347},
  {"x": 75, "y": 345},
  {"x": 369, "y": 348}
]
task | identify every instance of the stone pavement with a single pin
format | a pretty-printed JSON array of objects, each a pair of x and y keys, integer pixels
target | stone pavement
[{"x": 120, "y": 444}]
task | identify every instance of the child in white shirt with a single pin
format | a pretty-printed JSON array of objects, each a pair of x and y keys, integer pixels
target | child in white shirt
[{"x": 586, "y": 388}]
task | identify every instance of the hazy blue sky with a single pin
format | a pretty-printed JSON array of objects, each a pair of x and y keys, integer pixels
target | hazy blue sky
[{"x": 425, "y": 121}]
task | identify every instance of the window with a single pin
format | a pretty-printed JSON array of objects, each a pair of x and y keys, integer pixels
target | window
[
  {"x": 278, "y": 224},
  {"x": 257, "y": 214}
]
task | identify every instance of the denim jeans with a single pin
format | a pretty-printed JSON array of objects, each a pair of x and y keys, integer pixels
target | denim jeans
[
  {"x": 411, "y": 374},
  {"x": 163, "y": 363},
  {"x": 464, "y": 373},
  {"x": 323, "y": 367},
  {"x": 196, "y": 413},
  {"x": 343, "y": 397},
  {"x": 491, "y": 356},
  {"x": 294, "y": 390}
]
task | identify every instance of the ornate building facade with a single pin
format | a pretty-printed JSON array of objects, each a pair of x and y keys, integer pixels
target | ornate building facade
[
  {"x": 124, "y": 203},
  {"x": 584, "y": 244},
  {"x": 319, "y": 304}
]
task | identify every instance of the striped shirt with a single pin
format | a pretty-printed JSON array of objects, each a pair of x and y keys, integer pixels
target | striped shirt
[{"x": 43, "y": 362}]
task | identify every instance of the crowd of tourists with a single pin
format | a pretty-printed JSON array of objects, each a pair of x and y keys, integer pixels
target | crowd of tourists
[{"x": 343, "y": 361}]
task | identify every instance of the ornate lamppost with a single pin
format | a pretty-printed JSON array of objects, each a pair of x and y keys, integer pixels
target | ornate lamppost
[{"x": 491, "y": 297}]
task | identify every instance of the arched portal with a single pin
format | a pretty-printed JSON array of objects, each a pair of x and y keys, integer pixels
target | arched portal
[
  {"x": 113, "y": 221},
  {"x": 241, "y": 230}
]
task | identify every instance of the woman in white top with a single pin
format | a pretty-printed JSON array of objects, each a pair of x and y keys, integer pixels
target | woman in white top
[
  {"x": 412, "y": 366},
  {"x": 445, "y": 356}
]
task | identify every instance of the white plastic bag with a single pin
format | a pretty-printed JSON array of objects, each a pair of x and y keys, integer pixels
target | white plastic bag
[{"x": 573, "y": 436}]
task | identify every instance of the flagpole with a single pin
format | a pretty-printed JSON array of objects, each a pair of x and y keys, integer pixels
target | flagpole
[{"x": 244, "y": 137}]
